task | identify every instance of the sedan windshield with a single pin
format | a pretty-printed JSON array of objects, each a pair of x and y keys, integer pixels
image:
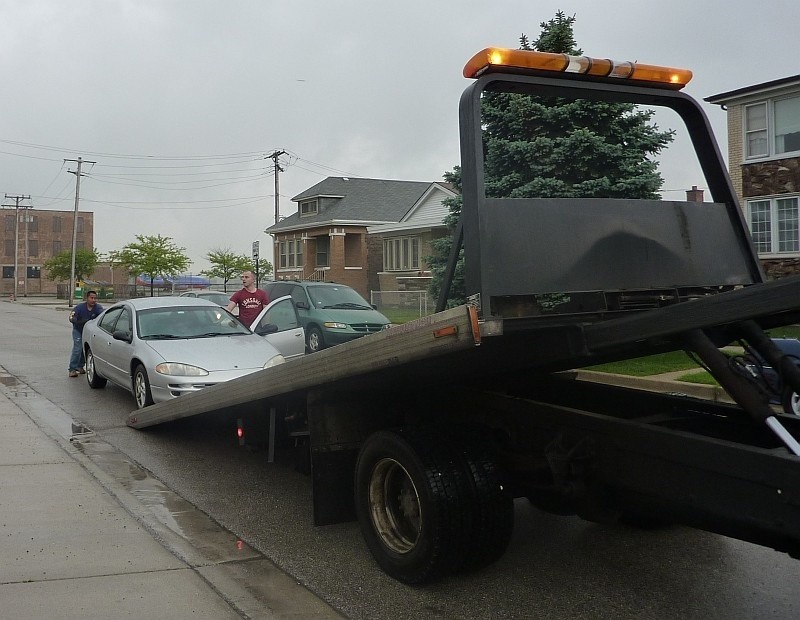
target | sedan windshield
[
  {"x": 187, "y": 322},
  {"x": 337, "y": 297}
]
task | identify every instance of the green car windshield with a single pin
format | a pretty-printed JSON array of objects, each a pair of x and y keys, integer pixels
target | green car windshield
[{"x": 337, "y": 297}]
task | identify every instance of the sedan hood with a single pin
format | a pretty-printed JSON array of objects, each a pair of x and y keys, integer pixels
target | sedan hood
[{"x": 216, "y": 353}]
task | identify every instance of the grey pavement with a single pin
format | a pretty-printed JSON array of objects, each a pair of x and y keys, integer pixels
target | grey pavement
[{"x": 76, "y": 544}]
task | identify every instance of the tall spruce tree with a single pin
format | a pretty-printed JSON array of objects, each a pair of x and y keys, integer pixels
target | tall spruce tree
[{"x": 547, "y": 147}]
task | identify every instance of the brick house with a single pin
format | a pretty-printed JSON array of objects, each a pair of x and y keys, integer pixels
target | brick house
[
  {"x": 31, "y": 237},
  {"x": 366, "y": 233},
  {"x": 764, "y": 163}
]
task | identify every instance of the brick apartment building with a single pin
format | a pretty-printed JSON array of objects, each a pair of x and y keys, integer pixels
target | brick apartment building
[{"x": 31, "y": 237}]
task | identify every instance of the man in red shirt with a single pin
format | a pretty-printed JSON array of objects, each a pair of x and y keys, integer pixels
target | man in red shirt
[{"x": 251, "y": 300}]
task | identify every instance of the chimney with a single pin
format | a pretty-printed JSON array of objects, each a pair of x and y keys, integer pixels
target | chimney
[{"x": 694, "y": 194}]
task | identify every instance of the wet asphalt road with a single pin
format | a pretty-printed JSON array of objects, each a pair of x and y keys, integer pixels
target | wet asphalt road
[{"x": 556, "y": 567}]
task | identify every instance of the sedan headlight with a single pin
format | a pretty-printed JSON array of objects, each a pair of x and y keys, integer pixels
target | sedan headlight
[
  {"x": 275, "y": 361},
  {"x": 332, "y": 325},
  {"x": 177, "y": 369}
]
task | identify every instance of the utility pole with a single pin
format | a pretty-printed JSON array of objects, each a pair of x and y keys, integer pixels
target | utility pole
[
  {"x": 17, "y": 199},
  {"x": 77, "y": 174},
  {"x": 277, "y": 167},
  {"x": 274, "y": 157}
]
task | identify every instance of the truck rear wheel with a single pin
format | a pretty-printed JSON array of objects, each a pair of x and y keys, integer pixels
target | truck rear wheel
[
  {"x": 413, "y": 503},
  {"x": 492, "y": 506}
]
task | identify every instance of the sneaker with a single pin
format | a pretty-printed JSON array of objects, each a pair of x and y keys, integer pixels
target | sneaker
[
  {"x": 73, "y": 373},
  {"x": 82, "y": 371}
]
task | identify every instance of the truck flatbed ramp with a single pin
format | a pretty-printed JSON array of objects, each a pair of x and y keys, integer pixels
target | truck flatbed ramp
[{"x": 444, "y": 347}]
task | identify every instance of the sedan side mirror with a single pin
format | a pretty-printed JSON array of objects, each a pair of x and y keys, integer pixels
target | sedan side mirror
[
  {"x": 266, "y": 328},
  {"x": 121, "y": 335},
  {"x": 302, "y": 305}
]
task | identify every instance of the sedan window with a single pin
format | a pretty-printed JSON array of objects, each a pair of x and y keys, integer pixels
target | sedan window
[
  {"x": 109, "y": 319},
  {"x": 124, "y": 323},
  {"x": 281, "y": 314},
  {"x": 188, "y": 322}
]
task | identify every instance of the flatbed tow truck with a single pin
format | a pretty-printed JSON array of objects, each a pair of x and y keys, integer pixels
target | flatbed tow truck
[{"x": 426, "y": 432}]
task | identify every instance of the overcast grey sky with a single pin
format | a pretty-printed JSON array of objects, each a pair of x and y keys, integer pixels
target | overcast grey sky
[{"x": 180, "y": 101}]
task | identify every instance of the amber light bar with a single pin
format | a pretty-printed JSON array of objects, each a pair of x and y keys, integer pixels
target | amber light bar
[{"x": 502, "y": 59}]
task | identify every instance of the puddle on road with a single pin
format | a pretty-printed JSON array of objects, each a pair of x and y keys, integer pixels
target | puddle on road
[{"x": 213, "y": 542}]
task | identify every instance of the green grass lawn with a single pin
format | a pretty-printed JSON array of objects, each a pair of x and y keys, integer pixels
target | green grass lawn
[
  {"x": 649, "y": 365},
  {"x": 788, "y": 331},
  {"x": 698, "y": 377},
  {"x": 677, "y": 360}
]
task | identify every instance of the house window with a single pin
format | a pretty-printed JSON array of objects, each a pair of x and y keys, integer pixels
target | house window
[
  {"x": 756, "y": 130},
  {"x": 772, "y": 127},
  {"x": 8, "y": 271},
  {"x": 308, "y": 207},
  {"x": 291, "y": 253},
  {"x": 56, "y": 247},
  {"x": 787, "y": 125},
  {"x": 323, "y": 249},
  {"x": 57, "y": 224},
  {"x": 80, "y": 225},
  {"x": 34, "y": 273},
  {"x": 401, "y": 253},
  {"x": 775, "y": 224},
  {"x": 33, "y": 247},
  {"x": 11, "y": 223},
  {"x": 10, "y": 249}
]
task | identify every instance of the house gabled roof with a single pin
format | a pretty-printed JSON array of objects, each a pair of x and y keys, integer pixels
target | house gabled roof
[{"x": 357, "y": 201}]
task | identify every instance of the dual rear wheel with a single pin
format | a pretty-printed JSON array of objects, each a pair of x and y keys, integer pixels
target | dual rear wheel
[{"x": 429, "y": 507}]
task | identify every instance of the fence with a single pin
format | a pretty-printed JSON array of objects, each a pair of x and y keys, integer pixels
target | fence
[{"x": 401, "y": 306}]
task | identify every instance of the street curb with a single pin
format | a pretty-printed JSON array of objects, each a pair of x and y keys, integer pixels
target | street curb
[{"x": 654, "y": 384}]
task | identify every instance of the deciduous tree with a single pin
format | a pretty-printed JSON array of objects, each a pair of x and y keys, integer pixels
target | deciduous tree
[
  {"x": 225, "y": 264},
  {"x": 154, "y": 256},
  {"x": 60, "y": 266}
]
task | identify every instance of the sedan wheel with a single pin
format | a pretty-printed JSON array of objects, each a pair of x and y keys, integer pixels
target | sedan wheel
[
  {"x": 791, "y": 401},
  {"x": 95, "y": 380},
  {"x": 141, "y": 388}
]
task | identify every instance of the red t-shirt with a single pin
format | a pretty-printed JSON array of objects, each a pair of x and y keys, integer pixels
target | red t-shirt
[{"x": 250, "y": 304}]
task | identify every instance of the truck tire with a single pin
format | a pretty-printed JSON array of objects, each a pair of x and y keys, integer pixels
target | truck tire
[
  {"x": 413, "y": 501},
  {"x": 492, "y": 506}
]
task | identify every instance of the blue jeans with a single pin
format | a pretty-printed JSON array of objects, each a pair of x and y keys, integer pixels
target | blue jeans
[{"x": 76, "y": 360}]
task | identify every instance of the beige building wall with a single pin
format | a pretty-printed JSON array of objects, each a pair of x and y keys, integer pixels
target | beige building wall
[{"x": 735, "y": 148}]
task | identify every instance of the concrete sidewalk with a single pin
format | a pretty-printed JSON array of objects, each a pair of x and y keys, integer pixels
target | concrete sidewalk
[{"x": 71, "y": 549}]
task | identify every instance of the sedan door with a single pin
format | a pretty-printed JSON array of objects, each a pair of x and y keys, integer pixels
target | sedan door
[
  {"x": 120, "y": 349},
  {"x": 278, "y": 323},
  {"x": 100, "y": 341}
]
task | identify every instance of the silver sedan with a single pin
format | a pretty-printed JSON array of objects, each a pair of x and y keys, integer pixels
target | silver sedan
[{"x": 161, "y": 347}]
